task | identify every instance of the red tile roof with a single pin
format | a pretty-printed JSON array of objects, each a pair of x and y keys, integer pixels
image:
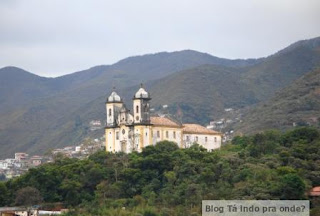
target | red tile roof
[
  {"x": 163, "y": 121},
  {"x": 198, "y": 129},
  {"x": 315, "y": 191}
]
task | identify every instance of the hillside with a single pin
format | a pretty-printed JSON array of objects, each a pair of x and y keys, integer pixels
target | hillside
[
  {"x": 203, "y": 92},
  {"x": 19, "y": 87},
  {"x": 38, "y": 113},
  {"x": 197, "y": 84},
  {"x": 297, "y": 104}
]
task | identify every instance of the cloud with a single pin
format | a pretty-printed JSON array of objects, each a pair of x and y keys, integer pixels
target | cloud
[{"x": 52, "y": 38}]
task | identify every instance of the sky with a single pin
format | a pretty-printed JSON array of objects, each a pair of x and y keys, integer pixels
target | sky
[{"x": 56, "y": 37}]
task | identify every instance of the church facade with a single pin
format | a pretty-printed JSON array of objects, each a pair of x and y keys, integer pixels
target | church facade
[{"x": 127, "y": 132}]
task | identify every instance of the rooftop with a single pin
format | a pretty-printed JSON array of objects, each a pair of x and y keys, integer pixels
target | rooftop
[
  {"x": 197, "y": 129},
  {"x": 163, "y": 121},
  {"x": 315, "y": 191},
  {"x": 114, "y": 97},
  {"x": 141, "y": 93}
]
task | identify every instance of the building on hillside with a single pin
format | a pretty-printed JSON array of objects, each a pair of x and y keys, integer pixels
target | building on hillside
[
  {"x": 35, "y": 160},
  {"x": 21, "y": 156},
  {"x": 315, "y": 192},
  {"x": 95, "y": 125},
  {"x": 127, "y": 132},
  {"x": 3, "y": 164}
]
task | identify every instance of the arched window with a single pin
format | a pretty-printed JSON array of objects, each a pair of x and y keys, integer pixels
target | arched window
[
  {"x": 110, "y": 112},
  {"x": 167, "y": 134},
  {"x": 137, "y": 109}
]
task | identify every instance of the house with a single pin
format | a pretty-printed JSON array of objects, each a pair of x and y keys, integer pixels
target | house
[
  {"x": 35, "y": 160},
  {"x": 21, "y": 156},
  {"x": 315, "y": 192},
  {"x": 3, "y": 164},
  {"x": 18, "y": 211}
]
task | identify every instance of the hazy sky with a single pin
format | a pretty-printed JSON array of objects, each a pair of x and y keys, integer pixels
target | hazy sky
[{"x": 55, "y": 37}]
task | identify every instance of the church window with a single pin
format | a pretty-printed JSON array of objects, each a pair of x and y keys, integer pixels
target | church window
[
  {"x": 146, "y": 134},
  {"x": 196, "y": 139},
  {"x": 137, "y": 109},
  {"x": 188, "y": 138},
  {"x": 206, "y": 139},
  {"x": 174, "y": 134},
  {"x": 110, "y": 112},
  {"x": 167, "y": 134},
  {"x": 117, "y": 136},
  {"x": 215, "y": 139},
  {"x": 158, "y": 134}
]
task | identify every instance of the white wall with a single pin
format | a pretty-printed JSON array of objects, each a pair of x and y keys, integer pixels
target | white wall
[
  {"x": 209, "y": 142},
  {"x": 109, "y": 138},
  {"x": 213, "y": 141},
  {"x": 163, "y": 135},
  {"x": 3, "y": 165}
]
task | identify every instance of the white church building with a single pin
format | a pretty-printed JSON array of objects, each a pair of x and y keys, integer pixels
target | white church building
[{"x": 127, "y": 132}]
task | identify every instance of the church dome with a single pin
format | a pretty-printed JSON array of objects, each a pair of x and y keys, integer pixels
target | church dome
[
  {"x": 141, "y": 93},
  {"x": 114, "y": 97}
]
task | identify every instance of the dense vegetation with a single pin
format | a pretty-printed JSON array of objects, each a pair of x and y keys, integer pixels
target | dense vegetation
[
  {"x": 299, "y": 103},
  {"x": 166, "y": 180}
]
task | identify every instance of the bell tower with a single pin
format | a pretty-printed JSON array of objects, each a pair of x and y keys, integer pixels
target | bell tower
[
  {"x": 141, "y": 106},
  {"x": 113, "y": 106}
]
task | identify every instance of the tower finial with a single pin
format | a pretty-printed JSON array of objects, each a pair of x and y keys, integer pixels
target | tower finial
[
  {"x": 141, "y": 85},
  {"x": 113, "y": 88}
]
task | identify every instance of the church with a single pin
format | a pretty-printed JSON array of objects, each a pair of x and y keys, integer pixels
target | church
[{"x": 127, "y": 131}]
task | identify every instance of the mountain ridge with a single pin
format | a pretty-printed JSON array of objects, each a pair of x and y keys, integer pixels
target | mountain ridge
[{"x": 61, "y": 117}]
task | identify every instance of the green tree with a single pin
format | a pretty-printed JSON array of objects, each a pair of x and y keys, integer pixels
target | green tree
[
  {"x": 2, "y": 177},
  {"x": 291, "y": 187},
  {"x": 28, "y": 196},
  {"x": 3, "y": 194},
  {"x": 71, "y": 191}
]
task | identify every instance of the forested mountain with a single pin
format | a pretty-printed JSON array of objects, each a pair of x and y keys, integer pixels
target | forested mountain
[
  {"x": 45, "y": 113},
  {"x": 203, "y": 92},
  {"x": 38, "y": 113},
  {"x": 19, "y": 87},
  {"x": 298, "y": 104}
]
